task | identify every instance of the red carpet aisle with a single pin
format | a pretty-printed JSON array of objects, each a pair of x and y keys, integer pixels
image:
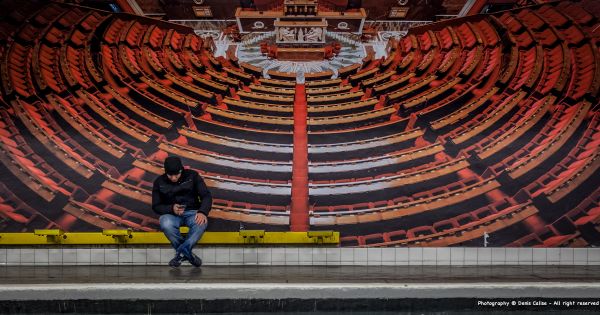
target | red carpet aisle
[{"x": 299, "y": 212}]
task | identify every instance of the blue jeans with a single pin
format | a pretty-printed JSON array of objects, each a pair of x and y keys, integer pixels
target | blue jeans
[{"x": 170, "y": 223}]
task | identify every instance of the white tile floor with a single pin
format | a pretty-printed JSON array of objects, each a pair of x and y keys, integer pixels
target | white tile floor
[{"x": 307, "y": 256}]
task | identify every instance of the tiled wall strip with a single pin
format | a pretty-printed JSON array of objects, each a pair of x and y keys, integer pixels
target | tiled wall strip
[{"x": 414, "y": 256}]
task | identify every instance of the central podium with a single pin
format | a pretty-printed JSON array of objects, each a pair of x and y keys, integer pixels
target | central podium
[
  {"x": 253, "y": 21},
  {"x": 300, "y": 7},
  {"x": 300, "y": 23},
  {"x": 300, "y": 34}
]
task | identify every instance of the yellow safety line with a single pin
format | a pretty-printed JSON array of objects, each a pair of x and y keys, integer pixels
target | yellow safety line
[{"x": 107, "y": 237}]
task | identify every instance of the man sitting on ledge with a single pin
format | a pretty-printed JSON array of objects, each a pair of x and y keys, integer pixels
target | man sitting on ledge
[{"x": 181, "y": 197}]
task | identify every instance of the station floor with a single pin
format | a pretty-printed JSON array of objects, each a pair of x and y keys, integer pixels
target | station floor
[
  {"x": 297, "y": 274},
  {"x": 300, "y": 290}
]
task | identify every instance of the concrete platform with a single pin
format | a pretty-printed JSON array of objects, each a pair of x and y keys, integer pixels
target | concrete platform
[
  {"x": 10, "y": 275},
  {"x": 218, "y": 289}
]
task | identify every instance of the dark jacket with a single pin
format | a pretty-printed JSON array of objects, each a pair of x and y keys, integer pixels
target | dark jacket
[{"x": 190, "y": 190}]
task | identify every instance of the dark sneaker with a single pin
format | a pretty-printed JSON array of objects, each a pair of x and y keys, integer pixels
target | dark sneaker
[
  {"x": 176, "y": 261},
  {"x": 195, "y": 260}
]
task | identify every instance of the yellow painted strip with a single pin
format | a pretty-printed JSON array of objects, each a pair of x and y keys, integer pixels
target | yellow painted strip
[{"x": 107, "y": 237}]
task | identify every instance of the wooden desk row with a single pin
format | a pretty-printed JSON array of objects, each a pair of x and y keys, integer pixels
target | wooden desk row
[
  {"x": 350, "y": 106},
  {"x": 284, "y": 76},
  {"x": 209, "y": 84},
  {"x": 272, "y": 90},
  {"x": 328, "y": 90},
  {"x": 284, "y": 109},
  {"x": 404, "y": 209},
  {"x": 529, "y": 119},
  {"x": 357, "y": 145},
  {"x": 234, "y": 83},
  {"x": 244, "y": 77},
  {"x": 278, "y": 83},
  {"x": 266, "y": 98},
  {"x": 251, "y": 69},
  {"x": 318, "y": 76},
  {"x": 392, "y": 85},
  {"x": 360, "y": 76},
  {"x": 410, "y": 88},
  {"x": 332, "y": 99},
  {"x": 476, "y": 127},
  {"x": 316, "y": 121},
  {"x": 431, "y": 94},
  {"x": 378, "y": 79},
  {"x": 169, "y": 93},
  {"x": 323, "y": 83},
  {"x": 201, "y": 93},
  {"x": 348, "y": 70},
  {"x": 237, "y": 143}
]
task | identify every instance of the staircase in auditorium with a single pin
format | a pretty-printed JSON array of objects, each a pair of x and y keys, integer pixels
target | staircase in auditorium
[
  {"x": 299, "y": 210},
  {"x": 483, "y": 124}
]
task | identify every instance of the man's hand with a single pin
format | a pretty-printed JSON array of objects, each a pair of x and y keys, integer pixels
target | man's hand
[
  {"x": 201, "y": 218},
  {"x": 178, "y": 209}
]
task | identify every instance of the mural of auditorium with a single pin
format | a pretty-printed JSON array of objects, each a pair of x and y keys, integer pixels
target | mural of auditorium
[{"x": 481, "y": 126}]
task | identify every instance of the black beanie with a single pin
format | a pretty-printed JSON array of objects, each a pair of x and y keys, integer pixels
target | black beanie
[{"x": 173, "y": 165}]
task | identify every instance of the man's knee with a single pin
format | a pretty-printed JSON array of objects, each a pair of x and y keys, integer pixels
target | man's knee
[
  {"x": 197, "y": 230},
  {"x": 169, "y": 222},
  {"x": 195, "y": 226}
]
